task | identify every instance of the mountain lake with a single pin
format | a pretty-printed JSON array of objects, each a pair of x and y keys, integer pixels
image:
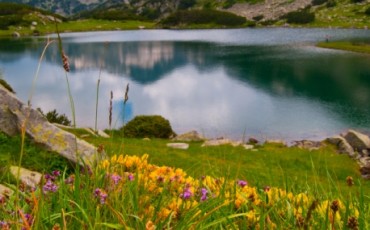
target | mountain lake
[{"x": 267, "y": 83}]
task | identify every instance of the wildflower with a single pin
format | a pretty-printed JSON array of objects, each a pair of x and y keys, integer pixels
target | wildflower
[
  {"x": 4, "y": 225},
  {"x": 101, "y": 194},
  {"x": 100, "y": 148},
  {"x": 335, "y": 206},
  {"x": 160, "y": 179},
  {"x": 49, "y": 187},
  {"x": 130, "y": 177},
  {"x": 56, "y": 227},
  {"x": 56, "y": 173},
  {"x": 266, "y": 188},
  {"x": 27, "y": 219},
  {"x": 149, "y": 225},
  {"x": 349, "y": 181},
  {"x": 242, "y": 183},
  {"x": 300, "y": 221},
  {"x": 187, "y": 193},
  {"x": 352, "y": 223},
  {"x": 116, "y": 178},
  {"x": 204, "y": 192},
  {"x": 65, "y": 62}
]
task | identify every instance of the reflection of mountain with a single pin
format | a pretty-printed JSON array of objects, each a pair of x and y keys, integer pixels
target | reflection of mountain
[{"x": 144, "y": 62}]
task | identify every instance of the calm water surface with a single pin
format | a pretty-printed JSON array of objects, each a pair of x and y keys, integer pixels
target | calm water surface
[{"x": 266, "y": 83}]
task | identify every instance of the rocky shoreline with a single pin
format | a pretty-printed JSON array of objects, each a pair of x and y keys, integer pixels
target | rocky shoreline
[{"x": 353, "y": 143}]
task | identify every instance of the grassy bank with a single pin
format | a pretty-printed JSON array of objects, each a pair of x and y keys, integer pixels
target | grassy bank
[
  {"x": 79, "y": 26},
  {"x": 348, "y": 46}
]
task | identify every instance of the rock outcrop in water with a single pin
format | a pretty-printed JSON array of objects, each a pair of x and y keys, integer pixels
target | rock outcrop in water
[{"x": 15, "y": 116}]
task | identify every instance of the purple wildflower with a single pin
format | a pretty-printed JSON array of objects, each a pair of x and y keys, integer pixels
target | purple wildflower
[
  {"x": 116, "y": 178},
  {"x": 187, "y": 193},
  {"x": 49, "y": 187},
  {"x": 242, "y": 183},
  {"x": 28, "y": 218},
  {"x": 204, "y": 192},
  {"x": 101, "y": 194},
  {"x": 4, "y": 225},
  {"x": 49, "y": 177},
  {"x": 130, "y": 177},
  {"x": 56, "y": 173}
]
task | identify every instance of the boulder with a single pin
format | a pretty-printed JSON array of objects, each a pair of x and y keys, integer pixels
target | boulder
[
  {"x": 16, "y": 116},
  {"x": 189, "y": 136},
  {"x": 5, "y": 191},
  {"x": 27, "y": 177},
  {"x": 103, "y": 134},
  {"x": 248, "y": 147},
  {"x": 357, "y": 140},
  {"x": 306, "y": 144},
  {"x": 16, "y": 34},
  {"x": 178, "y": 145},
  {"x": 252, "y": 141},
  {"x": 276, "y": 141},
  {"x": 222, "y": 141},
  {"x": 365, "y": 167},
  {"x": 342, "y": 145}
]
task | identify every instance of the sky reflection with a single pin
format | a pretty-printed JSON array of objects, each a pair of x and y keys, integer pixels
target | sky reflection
[{"x": 219, "y": 85}]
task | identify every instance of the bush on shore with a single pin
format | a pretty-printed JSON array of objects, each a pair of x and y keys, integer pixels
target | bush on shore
[
  {"x": 153, "y": 126},
  {"x": 188, "y": 17}
]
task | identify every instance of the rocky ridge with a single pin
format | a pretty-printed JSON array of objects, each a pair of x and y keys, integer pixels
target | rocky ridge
[{"x": 269, "y": 9}]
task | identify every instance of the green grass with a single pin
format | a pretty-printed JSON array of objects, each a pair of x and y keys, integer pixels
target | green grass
[
  {"x": 81, "y": 26},
  {"x": 346, "y": 45},
  {"x": 344, "y": 15},
  {"x": 35, "y": 158},
  {"x": 272, "y": 165}
]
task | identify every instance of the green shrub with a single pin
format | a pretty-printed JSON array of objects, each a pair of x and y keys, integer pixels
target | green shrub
[
  {"x": 258, "y": 18},
  {"x": 10, "y": 20},
  {"x": 153, "y": 126},
  {"x": 185, "y": 4},
  {"x": 300, "y": 17},
  {"x": 318, "y": 2},
  {"x": 6, "y": 85},
  {"x": 367, "y": 11},
  {"x": 203, "y": 17},
  {"x": 331, "y": 3},
  {"x": 357, "y": 1},
  {"x": 54, "y": 117},
  {"x": 228, "y": 4}
]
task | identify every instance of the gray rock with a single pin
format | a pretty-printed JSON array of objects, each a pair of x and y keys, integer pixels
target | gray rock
[
  {"x": 342, "y": 145},
  {"x": 275, "y": 141},
  {"x": 5, "y": 191},
  {"x": 178, "y": 145},
  {"x": 248, "y": 147},
  {"x": 306, "y": 144},
  {"x": 222, "y": 141},
  {"x": 103, "y": 134},
  {"x": 357, "y": 140},
  {"x": 189, "y": 136},
  {"x": 27, "y": 177},
  {"x": 16, "y": 34},
  {"x": 16, "y": 116},
  {"x": 364, "y": 163}
]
